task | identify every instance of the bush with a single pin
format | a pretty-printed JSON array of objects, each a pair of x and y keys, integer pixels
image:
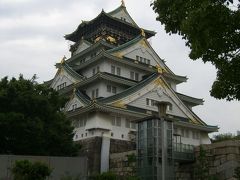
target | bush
[
  {"x": 237, "y": 173},
  {"x": 26, "y": 170},
  {"x": 104, "y": 176}
]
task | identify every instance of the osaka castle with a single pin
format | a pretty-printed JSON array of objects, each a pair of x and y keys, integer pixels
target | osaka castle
[{"x": 114, "y": 77}]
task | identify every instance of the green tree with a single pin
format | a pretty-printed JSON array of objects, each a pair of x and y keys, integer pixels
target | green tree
[
  {"x": 30, "y": 120},
  {"x": 225, "y": 137},
  {"x": 26, "y": 170},
  {"x": 211, "y": 29}
]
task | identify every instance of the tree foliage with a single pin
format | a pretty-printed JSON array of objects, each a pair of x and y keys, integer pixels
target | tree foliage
[
  {"x": 26, "y": 170},
  {"x": 211, "y": 29},
  {"x": 225, "y": 137},
  {"x": 30, "y": 120}
]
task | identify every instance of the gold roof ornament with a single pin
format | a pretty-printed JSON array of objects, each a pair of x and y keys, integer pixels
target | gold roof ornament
[
  {"x": 159, "y": 69},
  {"x": 123, "y": 3},
  {"x": 143, "y": 33},
  {"x": 63, "y": 59},
  {"x": 111, "y": 40}
]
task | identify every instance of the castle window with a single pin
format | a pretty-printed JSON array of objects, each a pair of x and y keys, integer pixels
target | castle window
[
  {"x": 98, "y": 69},
  {"x": 127, "y": 123},
  {"x": 82, "y": 135},
  {"x": 196, "y": 134},
  {"x": 112, "y": 134},
  {"x": 113, "y": 121},
  {"x": 136, "y": 76},
  {"x": 137, "y": 58},
  {"x": 113, "y": 69},
  {"x": 61, "y": 86},
  {"x": 148, "y": 102},
  {"x": 86, "y": 134},
  {"x": 169, "y": 107},
  {"x": 114, "y": 90},
  {"x": 74, "y": 106},
  {"x": 118, "y": 121},
  {"x": 132, "y": 75},
  {"x": 93, "y": 71},
  {"x": 133, "y": 125},
  {"x": 148, "y": 61},
  {"x": 109, "y": 88},
  {"x": 122, "y": 136},
  {"x": 145, "y": 61},
  {"x": 96, "y": 93},
  {"x": 123, "y": 19},
  {"x": 118, "y": 71},
  {"x": 93, "y": 94}
]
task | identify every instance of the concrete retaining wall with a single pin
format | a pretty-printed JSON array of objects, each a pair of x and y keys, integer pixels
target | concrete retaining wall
[{"x": 73, "y": 166}]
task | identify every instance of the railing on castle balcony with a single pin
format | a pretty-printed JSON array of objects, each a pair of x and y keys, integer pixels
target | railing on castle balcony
[{"x": 183, "y": 152}]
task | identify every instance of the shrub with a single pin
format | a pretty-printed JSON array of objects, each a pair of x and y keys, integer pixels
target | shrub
[{"x": 26, "y": 170}]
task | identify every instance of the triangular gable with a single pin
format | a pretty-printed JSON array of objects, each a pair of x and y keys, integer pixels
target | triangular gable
[
  {"x": 122, "y": 14},
  {"x": 157, "y": 90},
  {"x": 74, "y": 103},
  {"x": 64, "y": 77},
  {"x": 83, "y": 44},
  {"x": 141, "y": 49}
]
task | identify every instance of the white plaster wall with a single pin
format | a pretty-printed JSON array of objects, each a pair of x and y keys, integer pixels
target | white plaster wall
[
  {"x": 203, "y": 136},
  {"x": 61, "y": 78},
  {"x": 124, "y": 15},
  {"x": 103, "y": 121},
  {"x": 88, "y": 72},
  {"x": 102, "y": 89},
  {"x": 141, "y": 103},
  {"x": 73, "y": 101},
  {"x": 125, "y": 69},
  {"x": 98, "y": 120},
  {"x": 141, "y": 50}
]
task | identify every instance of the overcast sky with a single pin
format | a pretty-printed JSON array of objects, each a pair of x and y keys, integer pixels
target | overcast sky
[{"x": 31, "y": 36}]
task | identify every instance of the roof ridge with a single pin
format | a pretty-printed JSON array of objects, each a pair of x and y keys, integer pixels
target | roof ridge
[{"x": 125, "y": 45}]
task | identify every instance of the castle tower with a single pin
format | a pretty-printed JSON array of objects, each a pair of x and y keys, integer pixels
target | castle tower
[{"x": 113, "y": 78}]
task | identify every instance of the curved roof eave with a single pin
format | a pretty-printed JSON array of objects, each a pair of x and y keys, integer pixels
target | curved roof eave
[{"x": 71, "y": 35}]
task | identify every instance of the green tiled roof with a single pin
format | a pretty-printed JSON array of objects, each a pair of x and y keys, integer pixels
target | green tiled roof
[
  {"x": 174, "y": 77},
  {"x": 97, "y": 45},
  {"x": 84, "y": 98},
  {"x": 104, "y": 55},
  {"x": 125, "y": 45},
  {"x": 69, "y": 36},
  {"x": 130, "y": 90},
  {"x": 96, "y": 106},
  {"x": 69, "y": 70},
  {"x": 192, "y": 100},
  {"x": 109, "y": 77}
]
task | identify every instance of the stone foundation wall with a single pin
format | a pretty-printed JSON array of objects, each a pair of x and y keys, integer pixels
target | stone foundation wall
[
  {"x": 91, "y": 148},
  {"x": 222, "y": 158},
  {"x": 120, "y": 165},
  {"x": 118, "y": 146}
]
